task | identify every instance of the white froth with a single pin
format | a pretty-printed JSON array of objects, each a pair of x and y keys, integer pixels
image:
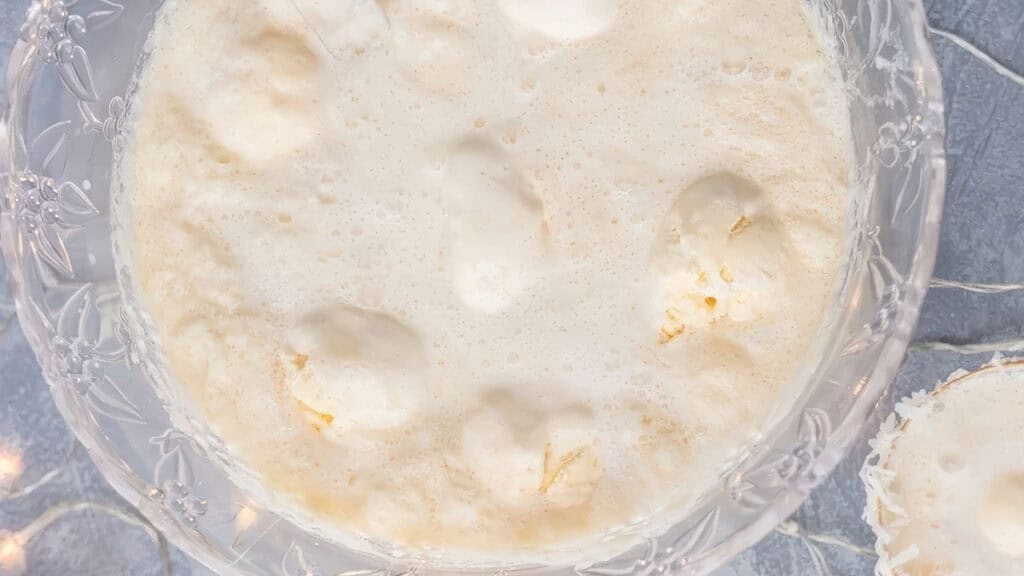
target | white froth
[
  {"x": 564, "y": 21},
  {"x": 946, "y": 483},
  {"x": 487, "y": 276}
]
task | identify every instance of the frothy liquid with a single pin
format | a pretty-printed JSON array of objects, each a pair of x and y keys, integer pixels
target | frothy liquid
[
  {"x": 949, "y": 486},
  {"x": 491, "y": 276}
]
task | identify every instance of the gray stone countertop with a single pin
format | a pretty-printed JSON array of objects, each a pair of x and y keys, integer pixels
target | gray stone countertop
[{"x": 975, "y": 308}]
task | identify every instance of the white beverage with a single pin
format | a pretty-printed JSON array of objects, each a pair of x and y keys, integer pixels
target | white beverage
[
  {"x": 487, "y": 276},
  {"x": 946, "y": 487}
]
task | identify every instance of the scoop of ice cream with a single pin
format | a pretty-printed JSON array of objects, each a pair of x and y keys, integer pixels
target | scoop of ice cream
[
  {"x": 354, "y": 369},
  {"x": 720, "y": 254},
  {"x": 548, "y": 454}
]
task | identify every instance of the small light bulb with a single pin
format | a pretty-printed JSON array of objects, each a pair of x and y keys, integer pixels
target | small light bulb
[
  {"x": 245, "y": 518},
  {"x": 12, "y": 555},
  {"x": 10, "y": 469},
  {"x": 10, "y": 466}
]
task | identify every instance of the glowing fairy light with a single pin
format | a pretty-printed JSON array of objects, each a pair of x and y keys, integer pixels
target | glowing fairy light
[
  {"x": 10, "y": 468},
  {"x": 245, "y": 518},
  {"x": 12, "y": 555},
  {"x": 10, "y": 465}
]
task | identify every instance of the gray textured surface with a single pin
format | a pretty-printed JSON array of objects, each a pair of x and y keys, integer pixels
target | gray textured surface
[{"x": 980, "y": 44}]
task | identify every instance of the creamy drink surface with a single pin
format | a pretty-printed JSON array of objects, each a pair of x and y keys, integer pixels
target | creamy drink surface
[
  {"x": 491, "y": 276},
  {"x": 946, "y": 496}
]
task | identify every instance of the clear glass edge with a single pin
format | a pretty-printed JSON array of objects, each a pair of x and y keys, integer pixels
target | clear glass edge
[{"x": 133, "y": 488}]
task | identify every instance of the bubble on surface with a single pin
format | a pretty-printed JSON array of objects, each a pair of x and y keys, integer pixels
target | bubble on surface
[
  {"x": 1002, "y": 514},
  {"x": 951, "y": 463}
]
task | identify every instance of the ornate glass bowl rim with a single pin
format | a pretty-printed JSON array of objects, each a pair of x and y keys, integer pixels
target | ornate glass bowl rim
[{"x": 51, "y": 37}]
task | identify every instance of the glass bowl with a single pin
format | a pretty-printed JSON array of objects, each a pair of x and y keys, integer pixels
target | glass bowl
[{"x": 69, "y": 83}]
